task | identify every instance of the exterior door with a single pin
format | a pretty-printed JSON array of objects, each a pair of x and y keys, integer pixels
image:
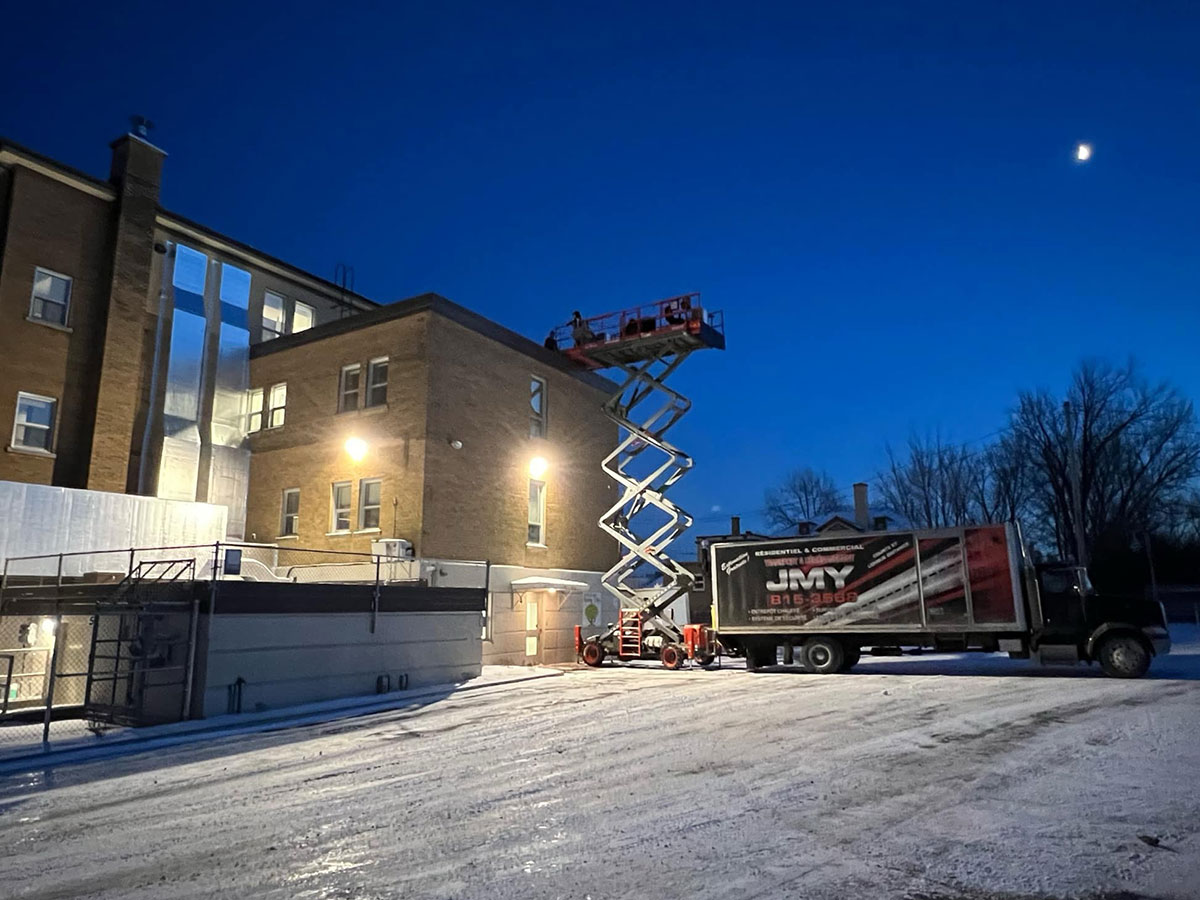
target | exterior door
[{"x": 533, "y": 633}]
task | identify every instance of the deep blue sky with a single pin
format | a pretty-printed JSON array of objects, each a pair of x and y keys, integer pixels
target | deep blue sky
[{"x": 884, "y": 202}]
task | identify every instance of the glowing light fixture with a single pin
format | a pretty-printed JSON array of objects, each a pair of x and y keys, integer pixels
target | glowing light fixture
[
  {"x": 356, "y": 448},
  {"x": 46, "y": 626},
  {"x": 1083, "y": 152},
  {"x": 538, "y": 467}
]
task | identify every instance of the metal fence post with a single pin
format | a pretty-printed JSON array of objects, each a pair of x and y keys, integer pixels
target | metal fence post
[
  {"x": 375, "y": 597},
  {"x": 3, "y": 585},
  {"x": 191, "y": 657},
  {"x": 53, "y": 671}
]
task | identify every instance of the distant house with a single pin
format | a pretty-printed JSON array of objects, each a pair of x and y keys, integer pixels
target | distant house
[{"x": 858, "y": 518}]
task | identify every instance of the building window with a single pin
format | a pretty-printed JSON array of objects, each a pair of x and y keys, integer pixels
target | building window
[
  {"x": 302, "y": 317},
  {"x": 348, "y": 387},
  {"x": 33, "y": 428},
  {"x": 377, "y": 382},
  {"x": 51, "y": 297},
  {"x": 278, "y": 405},
  {"x": 254, "y": 411},
  {"x": 369, "y": 491},
  {"x": 341, "y": 506},
  {"x": 274, "y": 315},
  {"x": 537, "y": 513},
  {"x": 537, "y": 408},
  {"x": 290, "y": 517}
]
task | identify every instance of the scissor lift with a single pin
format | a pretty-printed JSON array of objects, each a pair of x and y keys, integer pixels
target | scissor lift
[{"x": 647, "y": 343}]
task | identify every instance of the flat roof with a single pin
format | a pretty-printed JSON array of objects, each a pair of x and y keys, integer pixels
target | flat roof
[
  {"x": 39, "y": 162},
  {"x": 435, "y": 303}
]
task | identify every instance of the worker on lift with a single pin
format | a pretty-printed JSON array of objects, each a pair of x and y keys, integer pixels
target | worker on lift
[
  {"x": 580, "y": 332},
  {"x": 677, "y": 311}
]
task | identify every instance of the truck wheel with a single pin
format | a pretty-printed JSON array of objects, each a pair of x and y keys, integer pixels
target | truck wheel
[
  {"x": 822, "y": 655},
  {"x": 705, "y": 659},
  {"x": 1123, "y": 656},
  {"x": 759, "y": 655},
  {"x": 672, "y": 656},
  {"x": 593, "y": 654},
  {"x": 851, "y": 656}
]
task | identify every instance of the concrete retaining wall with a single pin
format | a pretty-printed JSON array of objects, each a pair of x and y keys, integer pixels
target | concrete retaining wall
[{"x": 286, "y": 659}]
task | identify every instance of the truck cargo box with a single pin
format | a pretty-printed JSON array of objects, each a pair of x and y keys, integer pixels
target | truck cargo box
[{"x": 953, "y": 580}]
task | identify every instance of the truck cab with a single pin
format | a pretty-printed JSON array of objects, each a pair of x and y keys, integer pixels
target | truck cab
[{"x": 1073, "y": 622}]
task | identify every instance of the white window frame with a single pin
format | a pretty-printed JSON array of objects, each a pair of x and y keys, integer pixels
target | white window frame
[
  {"x": 312, "y": 316},
  {"x": 540, "y": 524},
  {"x": 537, "y": 417},
  {"x": 348, "y": 509},
  {"x": 273, "y": 408},
  {"x": 254, "y": 410},
  {"x": 51, "y": 429},
  {"x": 34, "y": 297},
  {"x": 363, "y": 506},
  {"x": 342, "y": 406},
  {"x": 371, "y": 384},
  {"x": 284, "y": 515},
  {"x": 268, "y": 333}
]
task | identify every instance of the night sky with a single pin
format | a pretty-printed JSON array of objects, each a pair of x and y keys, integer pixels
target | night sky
[{"x": 885, "y": 202}]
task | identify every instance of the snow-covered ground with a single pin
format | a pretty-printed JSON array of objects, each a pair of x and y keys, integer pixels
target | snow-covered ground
[{"x": 915, "y": 777}]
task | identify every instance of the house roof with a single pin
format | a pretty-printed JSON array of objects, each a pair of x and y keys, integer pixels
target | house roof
[{"x": 430, "y": 302}]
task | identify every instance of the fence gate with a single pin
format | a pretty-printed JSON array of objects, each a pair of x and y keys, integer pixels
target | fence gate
[{"x": 143, "y": 650}]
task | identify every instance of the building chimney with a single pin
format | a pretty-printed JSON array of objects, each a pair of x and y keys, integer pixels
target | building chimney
[
  {"x": 136, "y": 173},
  {"x": 862, "y": 511},
  {"x": 735, "y": 524}
]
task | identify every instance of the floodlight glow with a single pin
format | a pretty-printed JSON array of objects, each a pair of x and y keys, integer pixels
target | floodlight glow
[
  {"x": 538, "y": 467},
  {"x": 1083, "y": 152},
  {"x": 356, "y": 448}
]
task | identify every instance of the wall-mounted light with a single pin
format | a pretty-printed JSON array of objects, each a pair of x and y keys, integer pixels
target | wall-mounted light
[
  {"x": 456, "y": 444},
  {"x": 538, "y": 467},
  {"x": 356, "y": 448}
]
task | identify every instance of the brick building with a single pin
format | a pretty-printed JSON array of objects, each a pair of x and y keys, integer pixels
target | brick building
[
  {"x": 125, "y": 331},
  {"x": 424, "y": 421},
  {"x": 143, "y": 353}
]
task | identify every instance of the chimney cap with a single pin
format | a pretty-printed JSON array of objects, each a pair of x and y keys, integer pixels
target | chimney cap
[{"x": 140, "y": 126}]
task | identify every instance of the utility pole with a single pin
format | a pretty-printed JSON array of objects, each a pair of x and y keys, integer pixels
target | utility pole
[
  {"x": 1074, "y": 466},
  {"x": 1150, "y": 560}
]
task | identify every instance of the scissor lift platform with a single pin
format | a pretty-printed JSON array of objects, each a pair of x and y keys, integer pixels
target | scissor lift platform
[
  {"x": 640, "y": 333},
  {"x": 647, "y": 343}
]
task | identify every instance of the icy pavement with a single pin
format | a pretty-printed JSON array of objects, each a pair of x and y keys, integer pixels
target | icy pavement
[{"x": 922, "y": 778}]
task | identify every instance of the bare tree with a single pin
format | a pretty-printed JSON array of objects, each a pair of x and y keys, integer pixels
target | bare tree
[
  {"x": 804, "y": 496},
  {"x": 1001, "y": 482},
  {"x": 1135, "y": 446},
  {"x": 934, "y": 485}
]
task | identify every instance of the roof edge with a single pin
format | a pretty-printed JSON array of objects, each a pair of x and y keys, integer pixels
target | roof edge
[{"x": 447, "y": 309}]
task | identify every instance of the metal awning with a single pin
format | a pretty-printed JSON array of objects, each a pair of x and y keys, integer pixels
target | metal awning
[{"x": 540, "y": 583}]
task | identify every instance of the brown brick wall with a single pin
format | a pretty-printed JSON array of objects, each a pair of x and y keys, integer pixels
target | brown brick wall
[
  {"x": 308, "y": 451},
  {"x": 445, "y": 383},
  {"x": 476, "y": 498},
  {"x": 137, "y": 168},
  {"x": 57, "y": 227}
]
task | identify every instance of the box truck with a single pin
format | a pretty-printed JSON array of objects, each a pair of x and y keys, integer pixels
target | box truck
[{"x": 827, "y": 598}]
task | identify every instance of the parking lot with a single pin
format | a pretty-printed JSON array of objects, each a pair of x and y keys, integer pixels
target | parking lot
[{"x": 921, "y": 777}]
